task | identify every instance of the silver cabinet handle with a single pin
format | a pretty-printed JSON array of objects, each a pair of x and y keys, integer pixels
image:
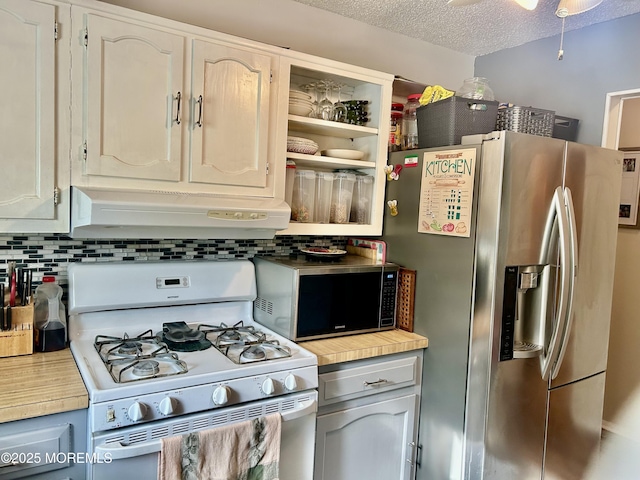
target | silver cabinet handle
[
  {"x": 199, "y": 102},
  {"x": 380, "y": 381},
  {"x": 179, "y": 99}
]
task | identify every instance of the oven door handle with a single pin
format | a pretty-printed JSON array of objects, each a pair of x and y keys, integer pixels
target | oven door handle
[
  {"x": 307, "y": 407},
  {"x": 117, "y": 451}
]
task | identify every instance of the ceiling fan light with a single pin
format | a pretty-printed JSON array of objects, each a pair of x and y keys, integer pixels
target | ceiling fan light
[
  {"x": 567, "y": 8},
  {"x": 528, "y": 4}
]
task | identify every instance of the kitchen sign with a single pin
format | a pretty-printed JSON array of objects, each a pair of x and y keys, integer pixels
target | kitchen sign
[{"x": 446, "y": 192}]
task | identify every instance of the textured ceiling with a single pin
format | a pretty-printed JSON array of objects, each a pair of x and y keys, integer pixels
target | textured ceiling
[{"x": 477, "y": 29}]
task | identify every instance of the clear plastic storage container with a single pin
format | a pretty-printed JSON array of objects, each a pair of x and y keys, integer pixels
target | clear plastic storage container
[
  {"x": 341, "y": 197},
  {"x": 304, "y": 192},
  {"x": 324, "y": 187},
  {"x": 288, "y": 183},
  {"x": 50, "y": 317},
  {"x": 362, "y": 196},
  {"x": 410, "y": 122}
]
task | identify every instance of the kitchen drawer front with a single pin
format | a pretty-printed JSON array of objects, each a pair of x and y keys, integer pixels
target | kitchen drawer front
[
  {"x": 367, "y": 380},
  {"x": 34, "y": 452}
]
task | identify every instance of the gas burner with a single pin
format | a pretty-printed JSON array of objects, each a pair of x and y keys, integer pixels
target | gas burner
[
  {"x": 254, "y": 353},
  {"x": 229, "y": 336},
  {"x": 146, "y": 368},
  {"x": 130, "y": 348}
]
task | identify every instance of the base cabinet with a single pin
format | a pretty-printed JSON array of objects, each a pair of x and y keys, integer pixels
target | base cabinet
[
  {"x": 367, "y": 419},
  {"x": 373, "y": 441}
]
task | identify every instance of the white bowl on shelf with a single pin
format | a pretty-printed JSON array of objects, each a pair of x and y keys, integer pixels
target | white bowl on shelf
[
  {"x": 301, "y": 110},
  {"x": 297, "y": 94}
]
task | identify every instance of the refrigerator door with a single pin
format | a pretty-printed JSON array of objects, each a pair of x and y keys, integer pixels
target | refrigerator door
[
  {"x": 444, "y": 294},
  {"x": 506, "y": 405},
  {"x": 593, "y": 176},
  {"x": 575, "y": 413}
]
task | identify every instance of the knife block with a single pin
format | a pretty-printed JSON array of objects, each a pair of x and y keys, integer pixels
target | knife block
[{"x": 18, "y": 340}]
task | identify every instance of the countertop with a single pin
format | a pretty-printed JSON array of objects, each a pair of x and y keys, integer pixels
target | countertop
[
  {"x": 40, "y": 384},
  {"x": 366, "y": 345}
]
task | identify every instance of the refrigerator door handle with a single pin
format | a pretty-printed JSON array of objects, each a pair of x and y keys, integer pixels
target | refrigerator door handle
[
  {"x": 573, "y": 257},
  {"x": 557, "y": 215}
]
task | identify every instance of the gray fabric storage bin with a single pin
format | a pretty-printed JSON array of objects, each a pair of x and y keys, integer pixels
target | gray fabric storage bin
[{"x": 444, "y": 122}]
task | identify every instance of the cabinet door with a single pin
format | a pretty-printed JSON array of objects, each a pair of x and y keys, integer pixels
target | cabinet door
[
  {"x": 134, "y": 86},
  {"x": 27, "y": 121},
  {"x": 230, "y": 120},
  {"x": 374, "y": 441}
]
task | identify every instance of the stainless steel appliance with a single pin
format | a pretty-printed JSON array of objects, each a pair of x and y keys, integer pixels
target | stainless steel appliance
[
  {"x": 513, "y": 238},
  {"x": 301, "y": 298},
  {"x": 170, "y": 348}
]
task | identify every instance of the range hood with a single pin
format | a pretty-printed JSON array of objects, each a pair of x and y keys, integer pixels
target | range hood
[{"x": 116, "y": 213}]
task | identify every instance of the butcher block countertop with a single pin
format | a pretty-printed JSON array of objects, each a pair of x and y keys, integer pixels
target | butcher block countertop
[
  {"x": 40, "y": 384},
  {"x": 366, "y": 345}
]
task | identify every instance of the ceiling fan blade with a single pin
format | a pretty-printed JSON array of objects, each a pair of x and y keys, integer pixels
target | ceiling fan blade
[
  {"x": 567, "y": 8},
  {"x": 460, "y": 3}
]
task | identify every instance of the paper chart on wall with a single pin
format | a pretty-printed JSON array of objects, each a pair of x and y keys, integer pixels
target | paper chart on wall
[{"x": 446, "y": 192}]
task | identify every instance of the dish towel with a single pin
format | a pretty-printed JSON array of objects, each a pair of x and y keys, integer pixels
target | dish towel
[{"x": 247, "y": 450}]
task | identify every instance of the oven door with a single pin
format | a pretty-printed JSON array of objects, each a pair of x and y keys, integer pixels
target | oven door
[{"x": 133, "y": 452}]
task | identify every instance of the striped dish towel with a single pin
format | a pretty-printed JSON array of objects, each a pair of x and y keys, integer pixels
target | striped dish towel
[{"x": 247, "y": 450}]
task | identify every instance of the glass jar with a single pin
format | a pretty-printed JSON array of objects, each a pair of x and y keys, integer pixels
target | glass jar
[
  {"x": 395, "y": 131},
  {"x": 477, "y": 88},
  {"x": 410, "y": 122}
]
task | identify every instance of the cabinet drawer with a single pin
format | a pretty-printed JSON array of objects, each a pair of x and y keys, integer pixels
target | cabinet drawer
[
  {"x": 34, "y": 452},
  {"x": 367, "y": 380}
]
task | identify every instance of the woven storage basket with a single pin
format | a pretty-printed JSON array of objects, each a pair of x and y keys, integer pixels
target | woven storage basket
[
  {"x": 533, "y": 121},
  {"x": 446, "y": 121}
]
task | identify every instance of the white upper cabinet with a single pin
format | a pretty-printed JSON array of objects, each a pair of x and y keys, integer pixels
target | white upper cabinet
[
  {"x": 134, "y": 87},
  {"x": 171, "y": 107},
  {"x": 230, "y": 122},
  {"x": 34, "y": 173}
]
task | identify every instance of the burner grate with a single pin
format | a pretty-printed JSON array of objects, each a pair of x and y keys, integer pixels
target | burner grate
[
  {"x": 129, "y": 359},
  {"x": 244, "y": 343}
]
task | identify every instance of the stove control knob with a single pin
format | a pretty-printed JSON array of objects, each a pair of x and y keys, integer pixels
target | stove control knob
[
  {"x": 167, "y": 405},
  {"x": 290, "y": 382},
  {"x": 268, "y": 387},
  {"x": 137, "y": 411},
  {"x": 221, "y": 395}
]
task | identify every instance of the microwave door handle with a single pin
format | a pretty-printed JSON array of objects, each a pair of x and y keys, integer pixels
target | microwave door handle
[
  {"x": 557, "y": 213},
  {"x": 573, "y": 272},
  {"x": 117, "y": 451}
]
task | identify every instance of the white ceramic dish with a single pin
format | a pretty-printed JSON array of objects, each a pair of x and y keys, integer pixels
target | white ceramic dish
[
  {"x": 343, "y": 153},
  {"x": 300, "y": 110},
  {"x": 323, "y": 252},
  {"x": 299, "y": 94}
]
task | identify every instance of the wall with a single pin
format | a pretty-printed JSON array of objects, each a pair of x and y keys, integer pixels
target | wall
[
  {"x": 317, "y": 32},
  {"x": 598, "y": 60},
  {"x": 51, "y": 254}
]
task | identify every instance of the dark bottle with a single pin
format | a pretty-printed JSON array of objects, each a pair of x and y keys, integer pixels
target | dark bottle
[{"x": 49, "y": 317}]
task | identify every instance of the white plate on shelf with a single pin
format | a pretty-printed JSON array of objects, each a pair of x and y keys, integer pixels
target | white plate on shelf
[{"x": 343, "y": 153}]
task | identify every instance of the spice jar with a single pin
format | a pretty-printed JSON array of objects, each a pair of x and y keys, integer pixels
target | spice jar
[
  {"x": 410, "y": 122},
  {"x": 395, "y": 132}
]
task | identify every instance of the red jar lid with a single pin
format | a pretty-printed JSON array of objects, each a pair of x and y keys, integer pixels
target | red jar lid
[
  {"x": 396, "y": 114},
  {"x": 397, "y": 106},
  {"x": 48, "y": 279},
  {"x": 414, "y": 96}
]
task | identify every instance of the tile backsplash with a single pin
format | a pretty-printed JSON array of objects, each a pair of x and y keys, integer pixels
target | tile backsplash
[{"x": 51, "y": 254}]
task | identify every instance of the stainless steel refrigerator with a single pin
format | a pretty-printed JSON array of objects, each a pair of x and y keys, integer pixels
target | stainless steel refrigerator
[{"x": 513, "y": 238}]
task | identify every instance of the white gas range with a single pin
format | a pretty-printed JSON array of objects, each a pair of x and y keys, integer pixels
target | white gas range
[{"x": 170, "y": 348}]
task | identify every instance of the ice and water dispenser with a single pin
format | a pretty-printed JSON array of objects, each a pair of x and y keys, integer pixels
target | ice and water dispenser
[{"x": 525, "y": 311}]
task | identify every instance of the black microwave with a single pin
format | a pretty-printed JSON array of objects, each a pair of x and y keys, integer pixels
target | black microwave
[{"x": 303, "y": 299}]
